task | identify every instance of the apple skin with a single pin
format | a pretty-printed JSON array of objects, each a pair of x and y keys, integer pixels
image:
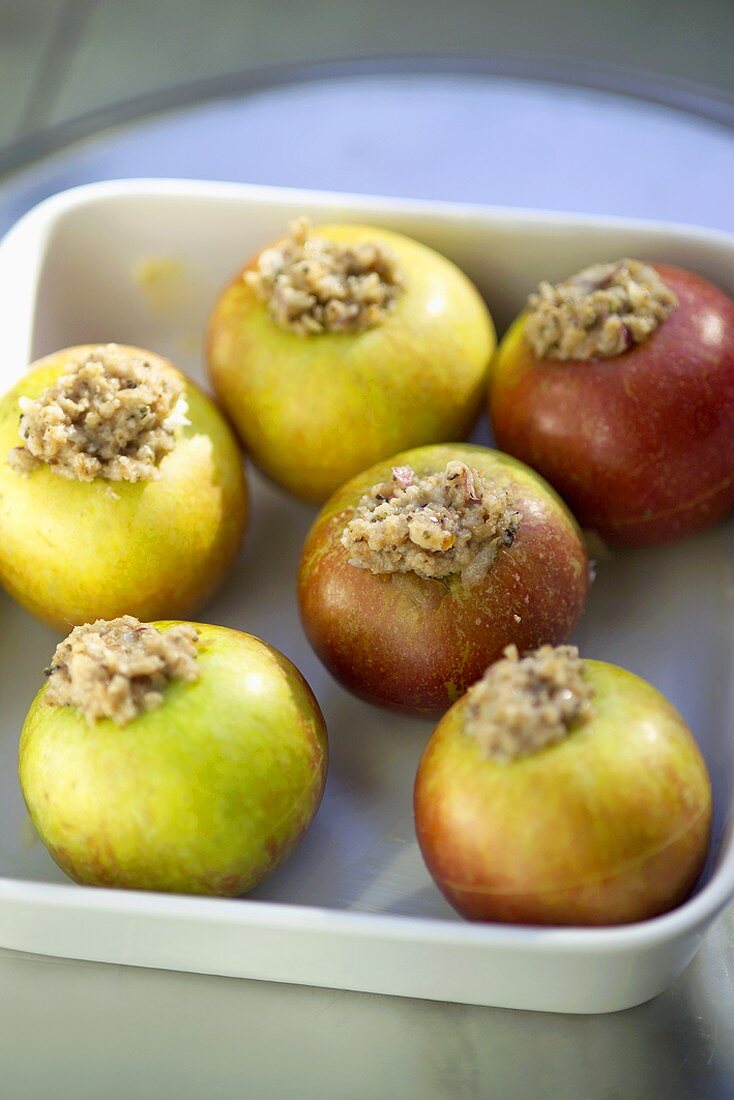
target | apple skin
[
  {"x": 314, "y": 411},
  {"x": 609, "y": 826},
  {"x": 208, "y": 794},
  {"x": 641, "y": 446},
  {"x": 414, "y": 643},
  {"x": 75, "y": 551}
]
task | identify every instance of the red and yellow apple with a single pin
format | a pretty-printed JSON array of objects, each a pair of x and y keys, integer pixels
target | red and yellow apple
[
  {"x": 315, "y": 410},
  {"x": 207, "y": 794},
  {"x": 609, "y": 825},
  {"x": 73, "y": 551},
  {"x": 417, "y": 643},
  {"x": 641, "y": 445}
]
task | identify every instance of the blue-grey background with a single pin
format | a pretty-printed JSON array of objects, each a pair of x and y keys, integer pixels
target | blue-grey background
[{"x": 60, "y": 58}]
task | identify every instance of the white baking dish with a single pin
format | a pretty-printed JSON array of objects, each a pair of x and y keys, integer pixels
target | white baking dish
[{"x": 354, "y": 907}]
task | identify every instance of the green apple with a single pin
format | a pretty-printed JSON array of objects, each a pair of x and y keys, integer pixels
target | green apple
[
  {"x": 313, "y": 411},
  {"x": 74, "y": 551},
  {"x": 207, "y": 794},
  {"x": 609, "y": 825}
]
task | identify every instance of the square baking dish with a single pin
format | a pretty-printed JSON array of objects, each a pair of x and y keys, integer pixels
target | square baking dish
[{"x": 140, "y": 262}]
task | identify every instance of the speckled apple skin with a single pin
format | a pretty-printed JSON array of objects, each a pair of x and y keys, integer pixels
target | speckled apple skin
[
  {"x": 208, "y": 794},
  {"x": 641, "y": 446},
  {"x": 415, "y": 643},
  {"x": 609, "y": 826},
  {"x": 314, "y": 411},
  {"x": 74, "y": 551}
]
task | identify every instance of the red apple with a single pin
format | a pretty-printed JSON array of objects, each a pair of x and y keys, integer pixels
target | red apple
[
  {"x": 609, "y": 825},
  {"x": 641, "y": 445},
  {"x": 414, "y": 642}
]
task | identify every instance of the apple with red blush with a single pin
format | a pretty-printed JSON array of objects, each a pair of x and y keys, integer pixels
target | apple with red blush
[
  {"x": 638, "y": 435},
  {"x": 605, "y": 821}
]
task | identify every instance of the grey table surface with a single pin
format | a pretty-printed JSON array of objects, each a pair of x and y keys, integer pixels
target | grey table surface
[{"x": 75, "y": 1029}]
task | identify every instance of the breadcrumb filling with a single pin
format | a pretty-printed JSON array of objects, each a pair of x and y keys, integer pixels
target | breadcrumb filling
[
  {"x": 453, "y": 521},
  {"x": 120, "y": 668},
  {"x": 312, "y": 285},
  {"x": 523, "y": 704},
  {"x": 598, "y": 313},
  {"x": 113, "y": 416}
]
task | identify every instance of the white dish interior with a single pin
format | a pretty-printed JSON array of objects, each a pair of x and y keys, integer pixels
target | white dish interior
[{"x": 72, "y": 273}]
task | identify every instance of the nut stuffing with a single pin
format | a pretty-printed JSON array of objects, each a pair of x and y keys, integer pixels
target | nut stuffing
[
  {"x": 599, "y": 313},
  {"x": 312, "y": 285},
  {"x": 523, "y": 704},
  {"x": 119, "y": 668},
  {"x": 112, "y": 416},
  {"x": 451, "y": 522}
]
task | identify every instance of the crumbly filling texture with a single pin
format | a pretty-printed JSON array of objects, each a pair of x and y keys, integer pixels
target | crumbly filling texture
[
  {"x": 119, "y": 668},
  {"x": 522, "y": 704},
  {"x": 113, "y": 416},
  {"x": 312, "y": 285},
  {"x": 598, "y": 313},
  {"x": 453, "y": 521}
]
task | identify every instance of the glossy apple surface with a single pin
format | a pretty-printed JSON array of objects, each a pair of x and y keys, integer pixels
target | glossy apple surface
[
  {"x": 74, "y": 551},
  {"x": 208, "y": 794},
  {"x": 608, "y": 826},
  {"x": 314, "y": 411},
  {"x": 641, "y": 446},
  {"x": 416, "y": 643}
]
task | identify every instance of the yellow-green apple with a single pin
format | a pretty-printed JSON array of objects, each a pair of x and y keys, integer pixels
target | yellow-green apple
[
  {"x": 73, "y": 551},
  {"x": 313, "y": 410},
  {"x": 206, "y": 794}
]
